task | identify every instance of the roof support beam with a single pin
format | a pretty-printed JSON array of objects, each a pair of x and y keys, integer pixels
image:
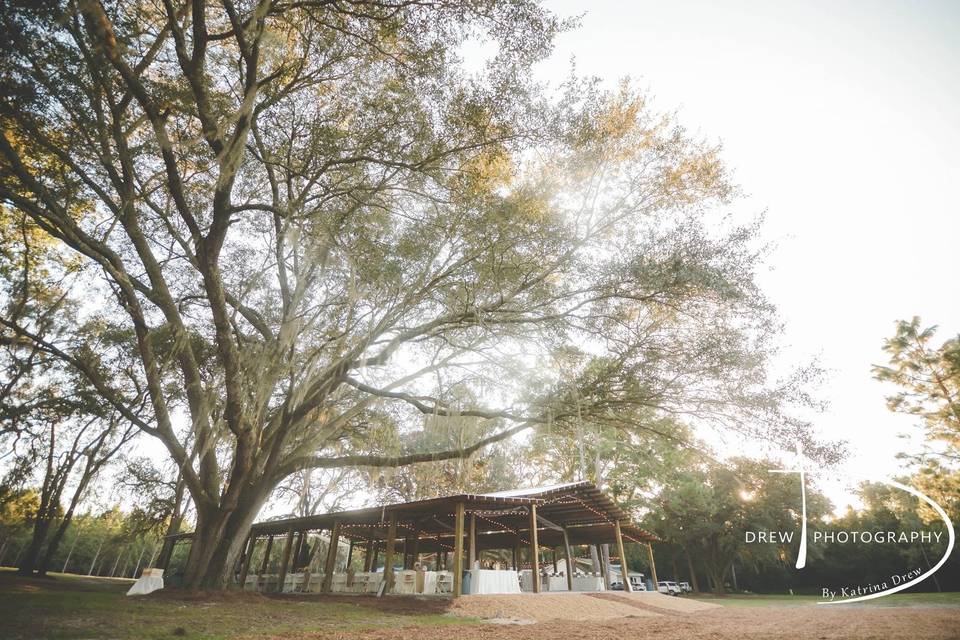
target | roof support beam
[
  {"x": 534, "y": 549},
  {"x": 473, "y": 541},
  {"x": 285, "y": 561},
  {"x": 549, "y": 524},
  {"x": 458, "y": 552},
  {"x": 331, "y": 563},
  {"x": 388, "y": 555},
  {"x": 443, "y": 524},
  {"x": 266, "y": 557},
  {"x": 653, "y": 567},
  {"x": 624, "y": 571}
]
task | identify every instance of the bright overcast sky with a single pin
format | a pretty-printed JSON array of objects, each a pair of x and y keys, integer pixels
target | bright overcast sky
[{"x": 841, "y": 122}]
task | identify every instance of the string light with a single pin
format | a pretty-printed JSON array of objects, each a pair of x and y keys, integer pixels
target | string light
[{"x": 502, "y": 526}]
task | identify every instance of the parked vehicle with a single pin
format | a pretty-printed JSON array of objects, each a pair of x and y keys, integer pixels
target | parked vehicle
[
  {"x": 668, "y": 587},
  {"x": 636, "y": 581},
  {"x": 685, "y": 587}
]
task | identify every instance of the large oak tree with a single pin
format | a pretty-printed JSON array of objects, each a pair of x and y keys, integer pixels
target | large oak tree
[{"x": 313, "y": 225}]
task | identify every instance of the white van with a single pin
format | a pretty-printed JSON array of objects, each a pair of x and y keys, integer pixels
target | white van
[
  {"x": 668, "y": 587},
  {"x": 636, "y": 581}
]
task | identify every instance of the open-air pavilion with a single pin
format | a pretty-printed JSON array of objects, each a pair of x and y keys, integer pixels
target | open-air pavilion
[{"x": 497, "y": 542}]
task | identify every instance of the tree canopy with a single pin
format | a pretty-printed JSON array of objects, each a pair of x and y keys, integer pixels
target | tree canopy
[{"x": 309, "y": 227}]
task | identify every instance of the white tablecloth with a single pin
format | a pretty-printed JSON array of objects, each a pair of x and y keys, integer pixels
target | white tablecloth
[
  {"x": 293, "y": 582},
  {"x": 444, "y": 582},
  {"x": 406, "y": 582},
  {"x": 555, "y": 583},
  {"x": 430, "y": 581},
  {"x": 587, "y": 583},
  {"x": 145, "y": 585},
  {"x": 526, "y": 580},
  {"x": 492, "y": 581}
]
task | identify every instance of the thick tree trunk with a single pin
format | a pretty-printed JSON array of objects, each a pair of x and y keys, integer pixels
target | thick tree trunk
[
  {"x": 176, "y": 520},
  {"x": 31, "y": 555},
  {"x": 55, "y": 543},
  {"x": 693, "y": 574},
  {"x": 88, "y": 473},
  {"x": 219, "y": 541},
  {"x": 716, "y": 577}
]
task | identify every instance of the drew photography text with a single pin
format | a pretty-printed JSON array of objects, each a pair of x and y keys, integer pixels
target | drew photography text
[{"x": 844, "y": 537}]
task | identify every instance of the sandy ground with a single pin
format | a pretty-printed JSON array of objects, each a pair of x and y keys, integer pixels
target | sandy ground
[
  {"x": 574, "y": 606},
  {"x": 545, "y": 607},
  {"x": 650, "y": 600},
  {"x": 723, "y": 623}
]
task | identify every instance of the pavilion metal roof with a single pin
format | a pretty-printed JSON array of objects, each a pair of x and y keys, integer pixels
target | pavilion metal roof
[{"x": 502, "y": 518}]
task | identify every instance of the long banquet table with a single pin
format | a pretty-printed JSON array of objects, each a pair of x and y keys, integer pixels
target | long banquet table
[
  {"x": 494, "y": 581},
  {"x": 587, "y": 583}
]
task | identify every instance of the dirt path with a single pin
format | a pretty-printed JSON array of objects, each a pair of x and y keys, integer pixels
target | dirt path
[
  {"x": 545, "y": 607},
  {"x": 725, "y": 623},
  {"x": 658, "y": 602}
]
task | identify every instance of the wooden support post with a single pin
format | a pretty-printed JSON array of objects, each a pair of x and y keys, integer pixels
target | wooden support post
[
  {"x": 458, "y": 552},
  {"x": 569, "y": 556},
  {"x": 415, "y": 551},
  {"x": 285, "y": 561},
  {"x": 534, "y": 549},
  {"x": 603, "y": 565},
  {"x": 350, "y": 554},
  {"x": 307, "y": 572},
  {"x": 298, "y": 550},
  {"x": 624, "y": 571},
  {"x": 653, "y": 567},
  {"x": 388, "y": 554},
  {"x": 264, "y": 564},
  {"x": 473, "y": 542},
  {"x": 605, "y": 550},
  {"x": 247, "y": 557},
  {"x": 367, "y": 556},
  {"x": 516, "y": 556},
  {"x": 331, "y": 564}
]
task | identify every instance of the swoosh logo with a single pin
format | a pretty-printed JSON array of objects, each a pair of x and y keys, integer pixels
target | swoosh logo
[
  {"x": 802, "y": 554},
  {"x": 950, "y": 541}
]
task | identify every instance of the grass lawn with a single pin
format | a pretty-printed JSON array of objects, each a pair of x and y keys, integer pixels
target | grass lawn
[
  {"x": 777, "y": 600},
  {"x": 69, "y": 606}
]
